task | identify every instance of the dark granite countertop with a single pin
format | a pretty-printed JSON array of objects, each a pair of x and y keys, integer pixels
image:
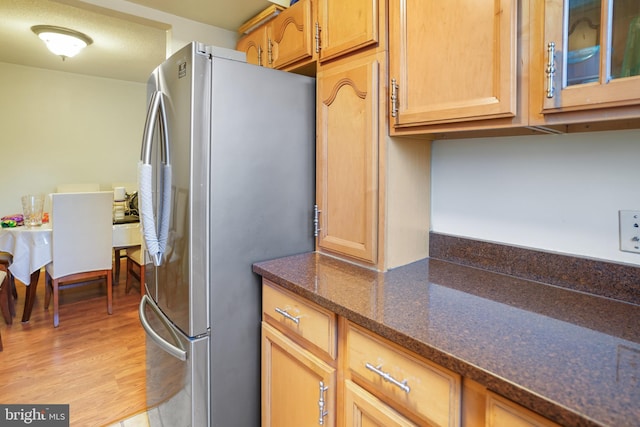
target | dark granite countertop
[{"x": 570, "y": 356}]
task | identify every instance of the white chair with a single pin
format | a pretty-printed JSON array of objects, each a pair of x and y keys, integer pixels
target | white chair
[{"x": 81, "y": 243}]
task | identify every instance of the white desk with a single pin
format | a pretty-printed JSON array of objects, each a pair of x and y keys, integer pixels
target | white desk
[{"x": 31, "y": 250}]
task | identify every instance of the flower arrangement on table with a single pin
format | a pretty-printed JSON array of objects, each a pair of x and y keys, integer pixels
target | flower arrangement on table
[{"x": 17, "y": 220}]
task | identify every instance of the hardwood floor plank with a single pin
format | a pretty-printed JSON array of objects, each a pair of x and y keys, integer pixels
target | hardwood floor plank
[{"x": 93, "y": 361}]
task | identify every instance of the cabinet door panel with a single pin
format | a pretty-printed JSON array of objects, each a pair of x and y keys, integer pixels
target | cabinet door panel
[
  {"x": 347, "y": 157},
  {"x": 291, "y": 384},
  {"x": 364, "y": 410},
  {"x": 453, "y": 61},
  {"x": 291, "y": 36},
  {"x": 596, "y": 45},
  {"x": 346, "y": 26},
  {"x": 503, "y": 413},
  {"x": 253, "y": 45}
]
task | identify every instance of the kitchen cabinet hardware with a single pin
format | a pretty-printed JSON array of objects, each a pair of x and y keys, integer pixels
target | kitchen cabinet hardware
[
  {"x": 316, "y": 221},
  {"x": 294, "y": 319},
  {"x": 322, "y": 403},
  {"x": 394, "y": 98},
  {"x": 551, "y": 69},
  {"x": 388, "y": 377},
  {"x": 317, "y": 37}
]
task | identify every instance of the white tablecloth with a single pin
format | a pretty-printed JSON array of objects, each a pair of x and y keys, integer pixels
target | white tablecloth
[{"x": 30, "y": 247}]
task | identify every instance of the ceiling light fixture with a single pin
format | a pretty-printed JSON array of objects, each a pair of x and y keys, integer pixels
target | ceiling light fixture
[{"x": 62, "y": 41}]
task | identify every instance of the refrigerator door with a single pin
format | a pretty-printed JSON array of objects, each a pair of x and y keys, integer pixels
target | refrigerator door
[
  {"x": 173, "y": 178},
  {"x": 177, "y": 372}
]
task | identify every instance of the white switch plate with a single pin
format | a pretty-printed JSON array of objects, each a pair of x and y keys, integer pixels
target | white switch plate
[{"x": 630, "y": 231}]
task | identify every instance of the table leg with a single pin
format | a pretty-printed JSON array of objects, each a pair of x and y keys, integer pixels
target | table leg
[{"x": 30, "y": 295}]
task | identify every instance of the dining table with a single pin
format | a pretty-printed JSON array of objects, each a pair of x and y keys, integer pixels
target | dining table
[{"x": 31, "y": 250}]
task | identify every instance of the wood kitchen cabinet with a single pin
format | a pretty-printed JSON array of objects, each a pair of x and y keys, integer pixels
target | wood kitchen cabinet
[
  {"x": 454, "y": 65},
  {"x": 285, "y": 42},
  {"x": 585, "y": 64},
  {"x": 254, "y": 46},
  {"x": 348, "y": 133},
  {"x": 298, "y": 379},
  {"x": 419, "y": 390},
  {"x": 315, "y": 362},
  {"x": 502, "y": 412},
  {"x": 363, "y": 409},
  {"x": 347, "y": 26}
]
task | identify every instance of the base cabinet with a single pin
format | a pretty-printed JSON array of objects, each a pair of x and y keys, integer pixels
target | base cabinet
[
  {"x": 371, "y": 382},
  {"x": 361, "y": 409},
  {"x": 298, "y": 388},
  {"x": 504, "y": 413}
]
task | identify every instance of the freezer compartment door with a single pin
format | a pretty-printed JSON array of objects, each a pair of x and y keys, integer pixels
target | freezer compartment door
[{"x": 177, "y": 372}]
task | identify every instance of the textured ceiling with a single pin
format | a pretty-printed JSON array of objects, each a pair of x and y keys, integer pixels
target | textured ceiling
[{"x": 124, "y": 47}]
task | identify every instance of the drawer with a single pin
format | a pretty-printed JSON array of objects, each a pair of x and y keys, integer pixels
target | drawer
[
  {"x": 420, "y": 387},
  {"x": 504, "y": 413},
  {"x": 299, "y": 317}
]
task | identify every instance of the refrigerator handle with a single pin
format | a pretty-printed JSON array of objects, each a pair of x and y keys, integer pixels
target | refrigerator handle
[
  {"x": 176, "y": 352},
  {"x": 155, "y": 240}
]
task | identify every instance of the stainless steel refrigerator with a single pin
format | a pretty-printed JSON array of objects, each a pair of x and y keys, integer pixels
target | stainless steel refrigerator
[{"x": 226, "y": 178}]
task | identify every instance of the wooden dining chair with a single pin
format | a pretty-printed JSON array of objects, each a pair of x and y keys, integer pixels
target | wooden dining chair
[
  {"x": 81, "y": 244},
  {"x": 6, "y": 259},
  {"x": 7, "y": 306},
  {"x": 135, "y": 268}
]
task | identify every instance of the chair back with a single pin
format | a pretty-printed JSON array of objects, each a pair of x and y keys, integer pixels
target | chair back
[{"x": 82, "y": 229}]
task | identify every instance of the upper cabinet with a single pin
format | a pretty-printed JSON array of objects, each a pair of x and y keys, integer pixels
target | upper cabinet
[
  {"x": 346, "y": 26},
  {"x": 290, "y": 37},
  {"x": 452, "y": 61},
  {"x": 285, "y": 42},
  {"x": 585, "y": 60},
  {"x": 253, "y": 44}
]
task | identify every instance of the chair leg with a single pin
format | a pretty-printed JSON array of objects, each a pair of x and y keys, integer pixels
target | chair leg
[
  {"x": 56, "y": 321},
  {"x": 109, "y": 294},
  {"x": 128, "y": 279},
  {"x": 5, "y": 298},
  {"x": 47, "y": 290},
  {"x": 116, "y": 271}
]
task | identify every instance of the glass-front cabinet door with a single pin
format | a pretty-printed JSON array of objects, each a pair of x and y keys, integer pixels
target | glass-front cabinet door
[{"x": 592, "y": 54}]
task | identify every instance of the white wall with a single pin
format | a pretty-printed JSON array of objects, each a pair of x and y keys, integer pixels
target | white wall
[
  {"x": 58, "y": 128},
  {"x": 558, "y": 193},
  {"x": 183, "y": 31}
]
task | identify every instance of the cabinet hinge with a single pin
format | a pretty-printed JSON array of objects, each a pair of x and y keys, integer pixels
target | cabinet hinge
[
  {"x": 394, "y": 98},
  {"x": 317, "y": 37},
  {"x": 316, "y": 221}
]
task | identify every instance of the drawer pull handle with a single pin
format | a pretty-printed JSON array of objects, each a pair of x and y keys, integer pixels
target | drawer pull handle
[
  {"x": 322, "y": 404},
  {"x": 295, "y": 320},
  {"x": 387, "y": 377}
]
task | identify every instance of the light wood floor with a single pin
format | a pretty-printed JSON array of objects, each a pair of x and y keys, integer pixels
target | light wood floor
[{"x": 93, "y": 362}]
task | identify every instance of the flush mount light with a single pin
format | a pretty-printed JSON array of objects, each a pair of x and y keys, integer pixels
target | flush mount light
[{"x": 62, "y": 41}]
